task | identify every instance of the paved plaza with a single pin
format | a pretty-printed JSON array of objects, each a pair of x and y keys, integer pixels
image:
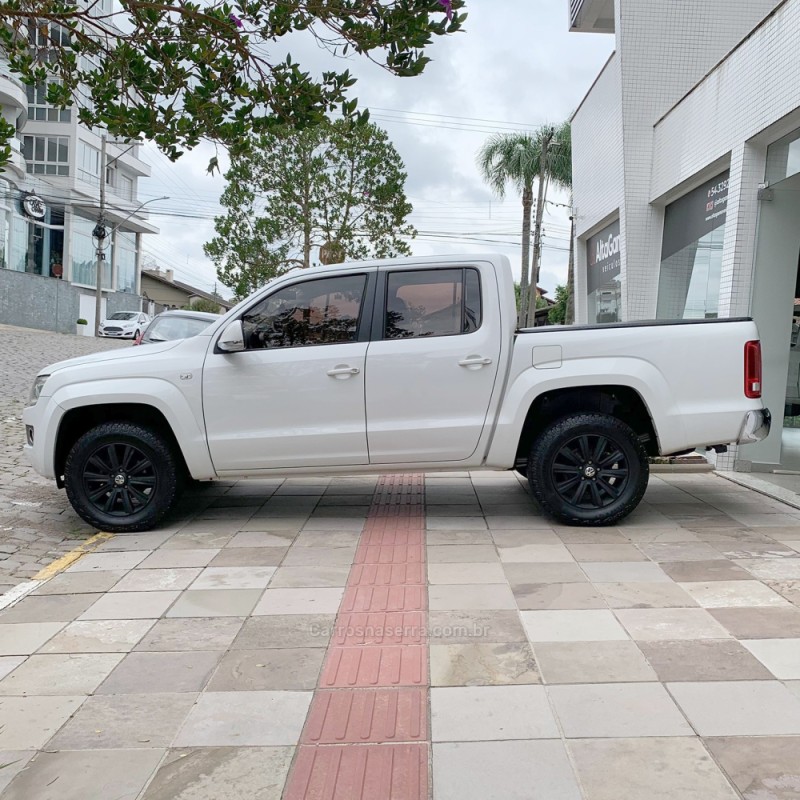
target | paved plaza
[{"x": 394, "y": 637}]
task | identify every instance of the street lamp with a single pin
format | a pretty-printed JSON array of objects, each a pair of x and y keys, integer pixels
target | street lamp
[{"x": 100, "y": 234}]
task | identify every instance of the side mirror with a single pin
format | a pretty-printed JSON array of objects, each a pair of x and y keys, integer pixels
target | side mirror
[{"x": 232, "y": 339}]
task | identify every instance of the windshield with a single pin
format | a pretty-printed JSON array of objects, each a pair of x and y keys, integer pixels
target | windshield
[
  {"x": 124, "y": 315},
  {"x": 169, "y": 328}
]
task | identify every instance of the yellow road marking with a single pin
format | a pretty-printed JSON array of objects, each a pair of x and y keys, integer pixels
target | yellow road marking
[{"x": 68, "y": 559}]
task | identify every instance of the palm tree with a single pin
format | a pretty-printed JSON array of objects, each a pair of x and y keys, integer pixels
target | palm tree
[{"x": 519, "y": 159}]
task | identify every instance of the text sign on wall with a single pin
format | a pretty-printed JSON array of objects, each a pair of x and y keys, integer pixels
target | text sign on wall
[{"x": 602, "y": 257}]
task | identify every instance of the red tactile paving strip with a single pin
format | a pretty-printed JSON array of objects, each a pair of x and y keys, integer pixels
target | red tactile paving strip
[{"x": 366, "y": 736}]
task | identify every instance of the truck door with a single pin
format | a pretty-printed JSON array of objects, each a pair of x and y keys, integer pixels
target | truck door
[
  {"x": 295, "y": 396},
  {"x": 432, "y": 363}
]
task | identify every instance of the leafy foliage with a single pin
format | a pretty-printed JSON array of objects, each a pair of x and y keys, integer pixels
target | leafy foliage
[
  {"x": 558, "y": 312},
  {"x": 338, "y": 187},
  {"x": 181, "y": 71},
  {"x": 202, "y": 304}
]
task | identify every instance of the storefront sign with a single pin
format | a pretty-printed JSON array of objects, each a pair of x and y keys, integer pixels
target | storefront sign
[
  {"x": 602, "y": 257},
  {"x": 695, "y": 214},
  {"x": 34, "y": 206}
]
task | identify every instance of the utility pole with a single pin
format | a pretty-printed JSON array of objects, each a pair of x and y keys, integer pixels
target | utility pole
[
  {"x": 537, "y": 229},
  {"x": 99, "y": 233}
]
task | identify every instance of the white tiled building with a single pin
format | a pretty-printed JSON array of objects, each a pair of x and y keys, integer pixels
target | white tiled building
[
  {"x": 57, "y": 159},
  {"x": 687, "y": 180}
]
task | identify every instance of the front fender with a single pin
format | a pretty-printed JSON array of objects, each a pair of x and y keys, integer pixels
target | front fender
[
  {"x": 634, "y": 373},
  {"x": 184, "y": 420}
]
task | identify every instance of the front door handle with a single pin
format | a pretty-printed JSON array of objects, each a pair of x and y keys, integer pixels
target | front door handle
[
  {"x": 343, "y": 371},
  {"x": 474, "y": 361}
]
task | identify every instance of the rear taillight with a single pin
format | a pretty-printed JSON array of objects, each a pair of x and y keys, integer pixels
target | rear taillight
[{"x": 752, "y": 369}]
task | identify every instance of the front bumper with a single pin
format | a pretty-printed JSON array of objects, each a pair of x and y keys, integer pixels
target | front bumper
[
  {"x": 756, "y": 426},
  {"x": 117, "y": 335}
]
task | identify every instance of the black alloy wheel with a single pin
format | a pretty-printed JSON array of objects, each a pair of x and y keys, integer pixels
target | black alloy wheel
[
  {"x": 588, "y": 469},
  {"x": 119, "y": 479}
]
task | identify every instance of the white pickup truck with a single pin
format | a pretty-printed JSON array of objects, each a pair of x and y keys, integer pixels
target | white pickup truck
[{"x": 390, "y": 366}]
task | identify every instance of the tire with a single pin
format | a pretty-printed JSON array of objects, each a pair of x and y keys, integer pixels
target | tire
[
  {"x": 136, "y": 335},
  {"x": 564, "y": 476},
  {"x": 122, "y": 477}
]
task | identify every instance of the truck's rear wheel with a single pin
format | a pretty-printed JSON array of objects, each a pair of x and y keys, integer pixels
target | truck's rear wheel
[
  {"x": 588, "y": 469},
  {"x": 121, "y": 477}
]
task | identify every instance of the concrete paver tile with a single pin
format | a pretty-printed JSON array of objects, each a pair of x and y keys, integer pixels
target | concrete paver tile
[
  {"x": 9, "y": 663},
  {"x": 318, "y": 522},
  {"x": 462, "y": 553},
  {"x": 788, "y": 589},
  {"x": 624, "y": 572},
  {"x": 156, "y": 580},
  {"x": 319, "y": 556},
  {"x": 261, "y": 538},
  {"x": 703, "y": 660},
  {"x": 123, "y": 721},
  {"x": 456, "y": 524},
  {"x": 234, "y": 578},
  {"x": 60, "y": 674},
  {"x": 585, "y": 662},
  {"x": 383, "y": 598},
  {"x": 215, "y": 603},
  {"x": 738, "y": 708},
  {"x": 285, "y": 669},
  {"x": 535, "y": 553},
  {"x": 528, "y": 573},
  {"x": 109, "y": 561},
  {"x": 379, "y": 627},
  {"x": 184, "y": 634},
  {"x": 28, "y": 722},
  {"x": 616, "y": 710},
  {"x": 441, "y": 538},
  {"x": 83, "y": 774},
  {"x": 682, "y": 766},
  {"x": 285, "y": 630},
  {"x": 177, "y": 559},
  {"x": 467, "y": 627},
  {"x": 658, "y": 624},
  {"x": 572, "y": 626},
  {"x": 465, "y": 573},
  {"x": 221, "y": 719},
  {"x": 215, "y": 773},
  {"x": 482, "y": 664},
  {"x": 605, "y": 552},
  {"x": 503, "y": 770},
  {"x": 376, "y": 665},
  {"x": 557, "y": 596},
  {"x": 780, "y": 656},
  {"x": 99, "y": 636},
  {"x": 759, "y": 623},
  {"x": 249, "y": 557},
  {"x": 762, "y": 768},
  {"x": 149, "y": 540},
  {"x": 310, "y": 538},
  {"x": 645, "y": 595},
  {"x": 309, "y": 577},
  {"x": 730, "y": 594},
  {"x": 12, "y": 762},
  {"x": 470, "y": 597},
  {"x": 130, "y": 605},
  {"x": 24, "y": 638},
  {"x": 482, "y": 713},
  {"x": 149, "y": 673},
  {"x": 680, "y": 551},
  {"x": 513, "y": 537},
  {"x": 49, "y": 608},
  {"x": 187, "y": 539},
  {"x": 80, "y": 582},
  {"x": 386, "y": 574},
  {"x": 299, "y": 601},
  {"x": 773, "y": 569},
  {"x": 718, "y": 570}
]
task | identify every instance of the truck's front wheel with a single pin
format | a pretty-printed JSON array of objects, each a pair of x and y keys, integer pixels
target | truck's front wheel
[
  {"x": 121, "y": 477},
  {"x": 588, "y": 469}
]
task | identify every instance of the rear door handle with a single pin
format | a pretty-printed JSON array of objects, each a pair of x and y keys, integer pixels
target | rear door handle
[
  {"x": 343, "y": 371},
  {"x": 474, "y": 361}
]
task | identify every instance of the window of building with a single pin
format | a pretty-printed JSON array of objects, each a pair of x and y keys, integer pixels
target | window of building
[
  {"x": 442, "y": 302},
  {"x": 323, "y": 311},
  {"x": 39, "y": 109},
  {"x": 88, "y": 164},
  {"x": 125, "y": 253},
  {"x": 48, "y": 34},
  {"x": 783, "y": 158},
  {"x": 603, "y": 280},
  {"x": 46, "y": 155},
  {"x": 84, "y": 254},
  {"x": 691, "y": 252},
  {"x": 124, "y": 186}
]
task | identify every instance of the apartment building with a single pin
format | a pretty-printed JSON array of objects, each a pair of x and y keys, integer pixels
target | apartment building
[{"x": 686, "y": 162}]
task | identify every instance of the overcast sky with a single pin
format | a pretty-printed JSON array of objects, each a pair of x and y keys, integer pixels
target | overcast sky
[{"x": 514, "y": 67}]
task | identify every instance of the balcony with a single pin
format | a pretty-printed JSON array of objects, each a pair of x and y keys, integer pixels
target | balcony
[
  {"x": 16, "y": 163},
  {"x": 13, "y": 96},
  {"x": 591, "y": 16}
]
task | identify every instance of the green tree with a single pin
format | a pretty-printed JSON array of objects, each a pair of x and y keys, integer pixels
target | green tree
[
  {"x": 338, "y": 187},
  {"x": 202, "y": 304},
  {"x": 558, "y": 311},
  {"x": 181, "y": 71}
]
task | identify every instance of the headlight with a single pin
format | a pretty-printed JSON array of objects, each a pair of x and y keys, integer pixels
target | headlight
[{"x": 36, "y": 389}]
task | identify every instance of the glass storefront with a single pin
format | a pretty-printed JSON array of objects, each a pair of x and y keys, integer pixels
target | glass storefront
[
  {"x": 32, "y": 244},
  {"x": 603, "y": 275},
  {"x": 84, "y": 254},
  {"x": 691, "y": 252},
  {"x": 125, "y": 253}
]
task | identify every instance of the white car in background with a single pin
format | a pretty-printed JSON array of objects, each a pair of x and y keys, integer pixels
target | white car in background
[{"x": 124, "y": 325}]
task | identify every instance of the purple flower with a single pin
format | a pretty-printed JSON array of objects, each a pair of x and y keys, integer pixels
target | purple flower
[
  {"x": 233, "y": 18},
  {"x": 448, "y": 7}
]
